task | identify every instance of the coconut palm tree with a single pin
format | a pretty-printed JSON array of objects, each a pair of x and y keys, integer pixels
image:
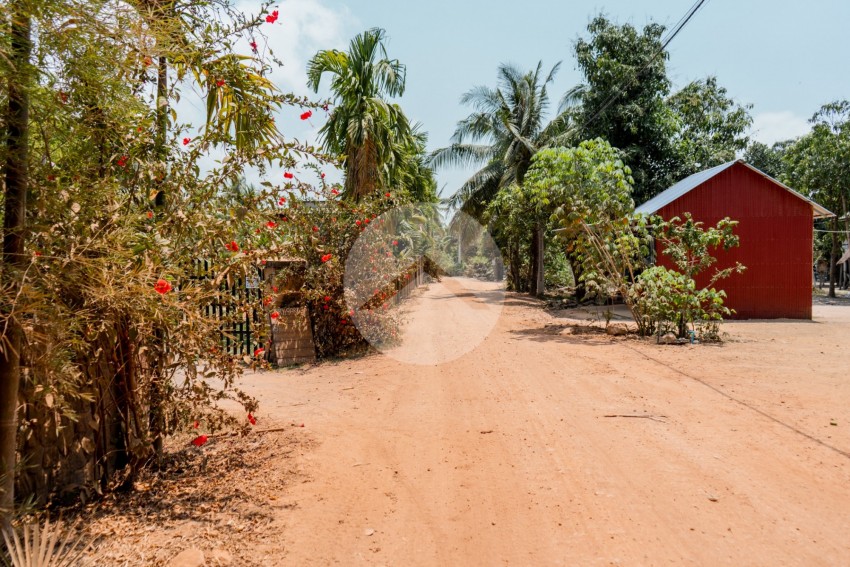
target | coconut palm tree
[
  {"x": 502, "y": 135},
  {"x": 363, "y": 128}
]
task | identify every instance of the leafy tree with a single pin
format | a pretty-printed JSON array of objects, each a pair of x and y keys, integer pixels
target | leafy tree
[
  {"x": 768, "y": 159},
  {"x": 502, "y": 135},
  {"x": 710, "y": 127},
  {"x": 586, "y": 186},
  {"x": 818, "y": 164},
  {"x": 370, "y": 135},
  {"x": 623, "y": 100}
]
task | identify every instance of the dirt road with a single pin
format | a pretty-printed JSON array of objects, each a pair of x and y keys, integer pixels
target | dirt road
[{"x": 505, "y": 456}]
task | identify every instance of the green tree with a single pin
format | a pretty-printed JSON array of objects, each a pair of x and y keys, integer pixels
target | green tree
[
  {"x": 585, "y": 186},
  {"x": 768, "y": 159},
  {"x": 506, "y": 130},
  {"x": 710, "y": 126},
  {"x": 818, "y": 165},
  {"x": 623, "y": 100},
  {"x": 364, "y": 130}
]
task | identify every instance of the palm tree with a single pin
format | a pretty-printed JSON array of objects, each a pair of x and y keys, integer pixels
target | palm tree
[
  {"x": 503, "y": 133},
  {"x": 364, "y": 128}
]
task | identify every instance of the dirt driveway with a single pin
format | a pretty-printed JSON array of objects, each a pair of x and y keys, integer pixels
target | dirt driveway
[{"x": 505, "y": 456}]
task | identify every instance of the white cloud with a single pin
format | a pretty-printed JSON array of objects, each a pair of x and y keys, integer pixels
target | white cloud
[{"x": 771, "y": 127}]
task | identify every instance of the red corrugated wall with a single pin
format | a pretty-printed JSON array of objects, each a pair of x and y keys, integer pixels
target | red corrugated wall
[{"x": 775, "y": 228}]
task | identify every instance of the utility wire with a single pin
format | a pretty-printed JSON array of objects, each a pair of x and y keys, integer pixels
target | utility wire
[{"x": 664, "y": 43}]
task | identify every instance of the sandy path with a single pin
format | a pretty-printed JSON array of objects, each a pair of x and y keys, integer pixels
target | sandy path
[{"x": 504, "y": 456}]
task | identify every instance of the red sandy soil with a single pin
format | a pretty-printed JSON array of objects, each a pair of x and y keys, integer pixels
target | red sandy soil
[{"x": 722, "y": 455}]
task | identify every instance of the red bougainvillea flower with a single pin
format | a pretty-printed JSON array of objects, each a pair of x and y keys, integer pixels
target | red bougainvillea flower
[
  {"x": 357, "y": 222},
  {"x": 288, "y": 175},
  {"x": 259, "y": 352},
  {"x": 386, "y": 195},
  {"x": 366, "y": 221},
  {"x": 197, "y": 424},
  {"x": 334, "y": 192},
  {"x": 272, "y": 18},
  {"x": 252, "y": 419},
  {"x": 326, "y": 258},
  {"x": 323, "y": 176},
  {"x": 327, "y": 298},
  {"x": 232, "y": 246},
  {"x": 275, "y": 316},
  {"x": 281, "y": 201},
  {"x": 315, "y": 228},
  {"x": 326, "y": 307},
  {"x": 150, "y": 214},
  {"x": 186, "y": 141},
  {"x": 274, "y": 288},
  {"x": 253, "y": 46},
  {"x": 122, "y": 161},
  {"x": 200, "y": 440},
  {"x": 267, "y": 301},
  {"x": 271, "y": 224},
  {"x": 395, "y": 242},
  {"x": 220, "y": 83},
  {"x": 162, "y": 287},
  {"x": 306, "y": 115}
]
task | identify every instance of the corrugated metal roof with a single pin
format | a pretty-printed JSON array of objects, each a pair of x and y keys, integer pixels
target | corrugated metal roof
[{"x": 689, "y": 183}]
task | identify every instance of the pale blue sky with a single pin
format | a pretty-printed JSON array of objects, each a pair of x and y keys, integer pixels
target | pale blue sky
[{"x": 784, "y": 57}]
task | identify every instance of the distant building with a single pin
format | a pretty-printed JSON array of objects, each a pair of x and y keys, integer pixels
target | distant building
[{"x": 776, "y": 232}]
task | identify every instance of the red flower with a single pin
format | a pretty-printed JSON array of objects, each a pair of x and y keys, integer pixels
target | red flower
[
  {"x": 271, "y": 224},
  {"x": 219, "y": 83},
  {"x": 186, "y": 141},
  {"x": 199, "y": 440},
  {"x": 274, "y": 288},
  {"x": 315, "y": 229},
  {"x": 272, "y": 18},
  {"x": 150, "y": 214},
  {"x": 334, "y": 192},
  {"x": 288, "y": 175},
  {"x": 327, "y": 298},
  {"x": 366, "y": 221},
  {"x": 386, "y": 195},
  {"x": 281, "y": 201},
  {"x": 307, "y": 115},
  {"x": 252, "y": 419},
  {"x": 254, "y": 46},
  {"x": 326, "y": 307},
  {"x": 267, "y": 301},
  {"x": 122, "y": 161},
  {"x": 232, "y": 246},
  {"x": 395, "y": 242},
  {"x": 326, "y": 258},
  {"x": 259, "y": 352},
  {"x": 323, "y": 176},
  {"x": 275, "y": 316},
  {"x": 197, "y": 424},
  {"x": 357, "y": 222},
  {"x": 162, "y": 287}
]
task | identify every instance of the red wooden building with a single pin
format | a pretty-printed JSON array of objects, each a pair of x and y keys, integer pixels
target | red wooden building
[{"x": 775, "y": 228}]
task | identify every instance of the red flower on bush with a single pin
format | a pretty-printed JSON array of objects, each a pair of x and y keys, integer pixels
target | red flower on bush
[
  {"x": 252, "y": 419},
  {"x": 275, "y": 316},
  {"x": 219, "y": 83},
  {"x": 327, "y": 298},
  {"x": 259, "y": 352},
  {"x": 274, "y": 288},
  {"x": 232, "y": 246},
  {"x": 326, "y": 258},
  {"x": 197, "y": 424},
  {"x": 395, "y": 242},
  {"x": 267, "y": 301},
  {"x": 357, "y": 222},
  {"x": 162, "y": 287},
  {"x": 150, "y": 214},
  {"x": 334, "y": 192},
  {"x": 253, "y": 46},
  {"x": 271, "y": 224},
  {"x": 199, "y": 440},
  {"x": 122, "y": 161},
  {"x": 186, "y": 141},
  {"x": 281, "y": 201},
  {"x": 323, "y": 176},
  {"x": 307, "y": 115},
  {"x": 315, "y": 228},
  {"x": 288, "y": 175},
  {"x": 386, "y": 195},
  {"x": 272, "y": 18}
]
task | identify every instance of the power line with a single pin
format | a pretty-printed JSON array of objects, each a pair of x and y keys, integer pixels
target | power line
[{"x": 683, "y": 21}]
